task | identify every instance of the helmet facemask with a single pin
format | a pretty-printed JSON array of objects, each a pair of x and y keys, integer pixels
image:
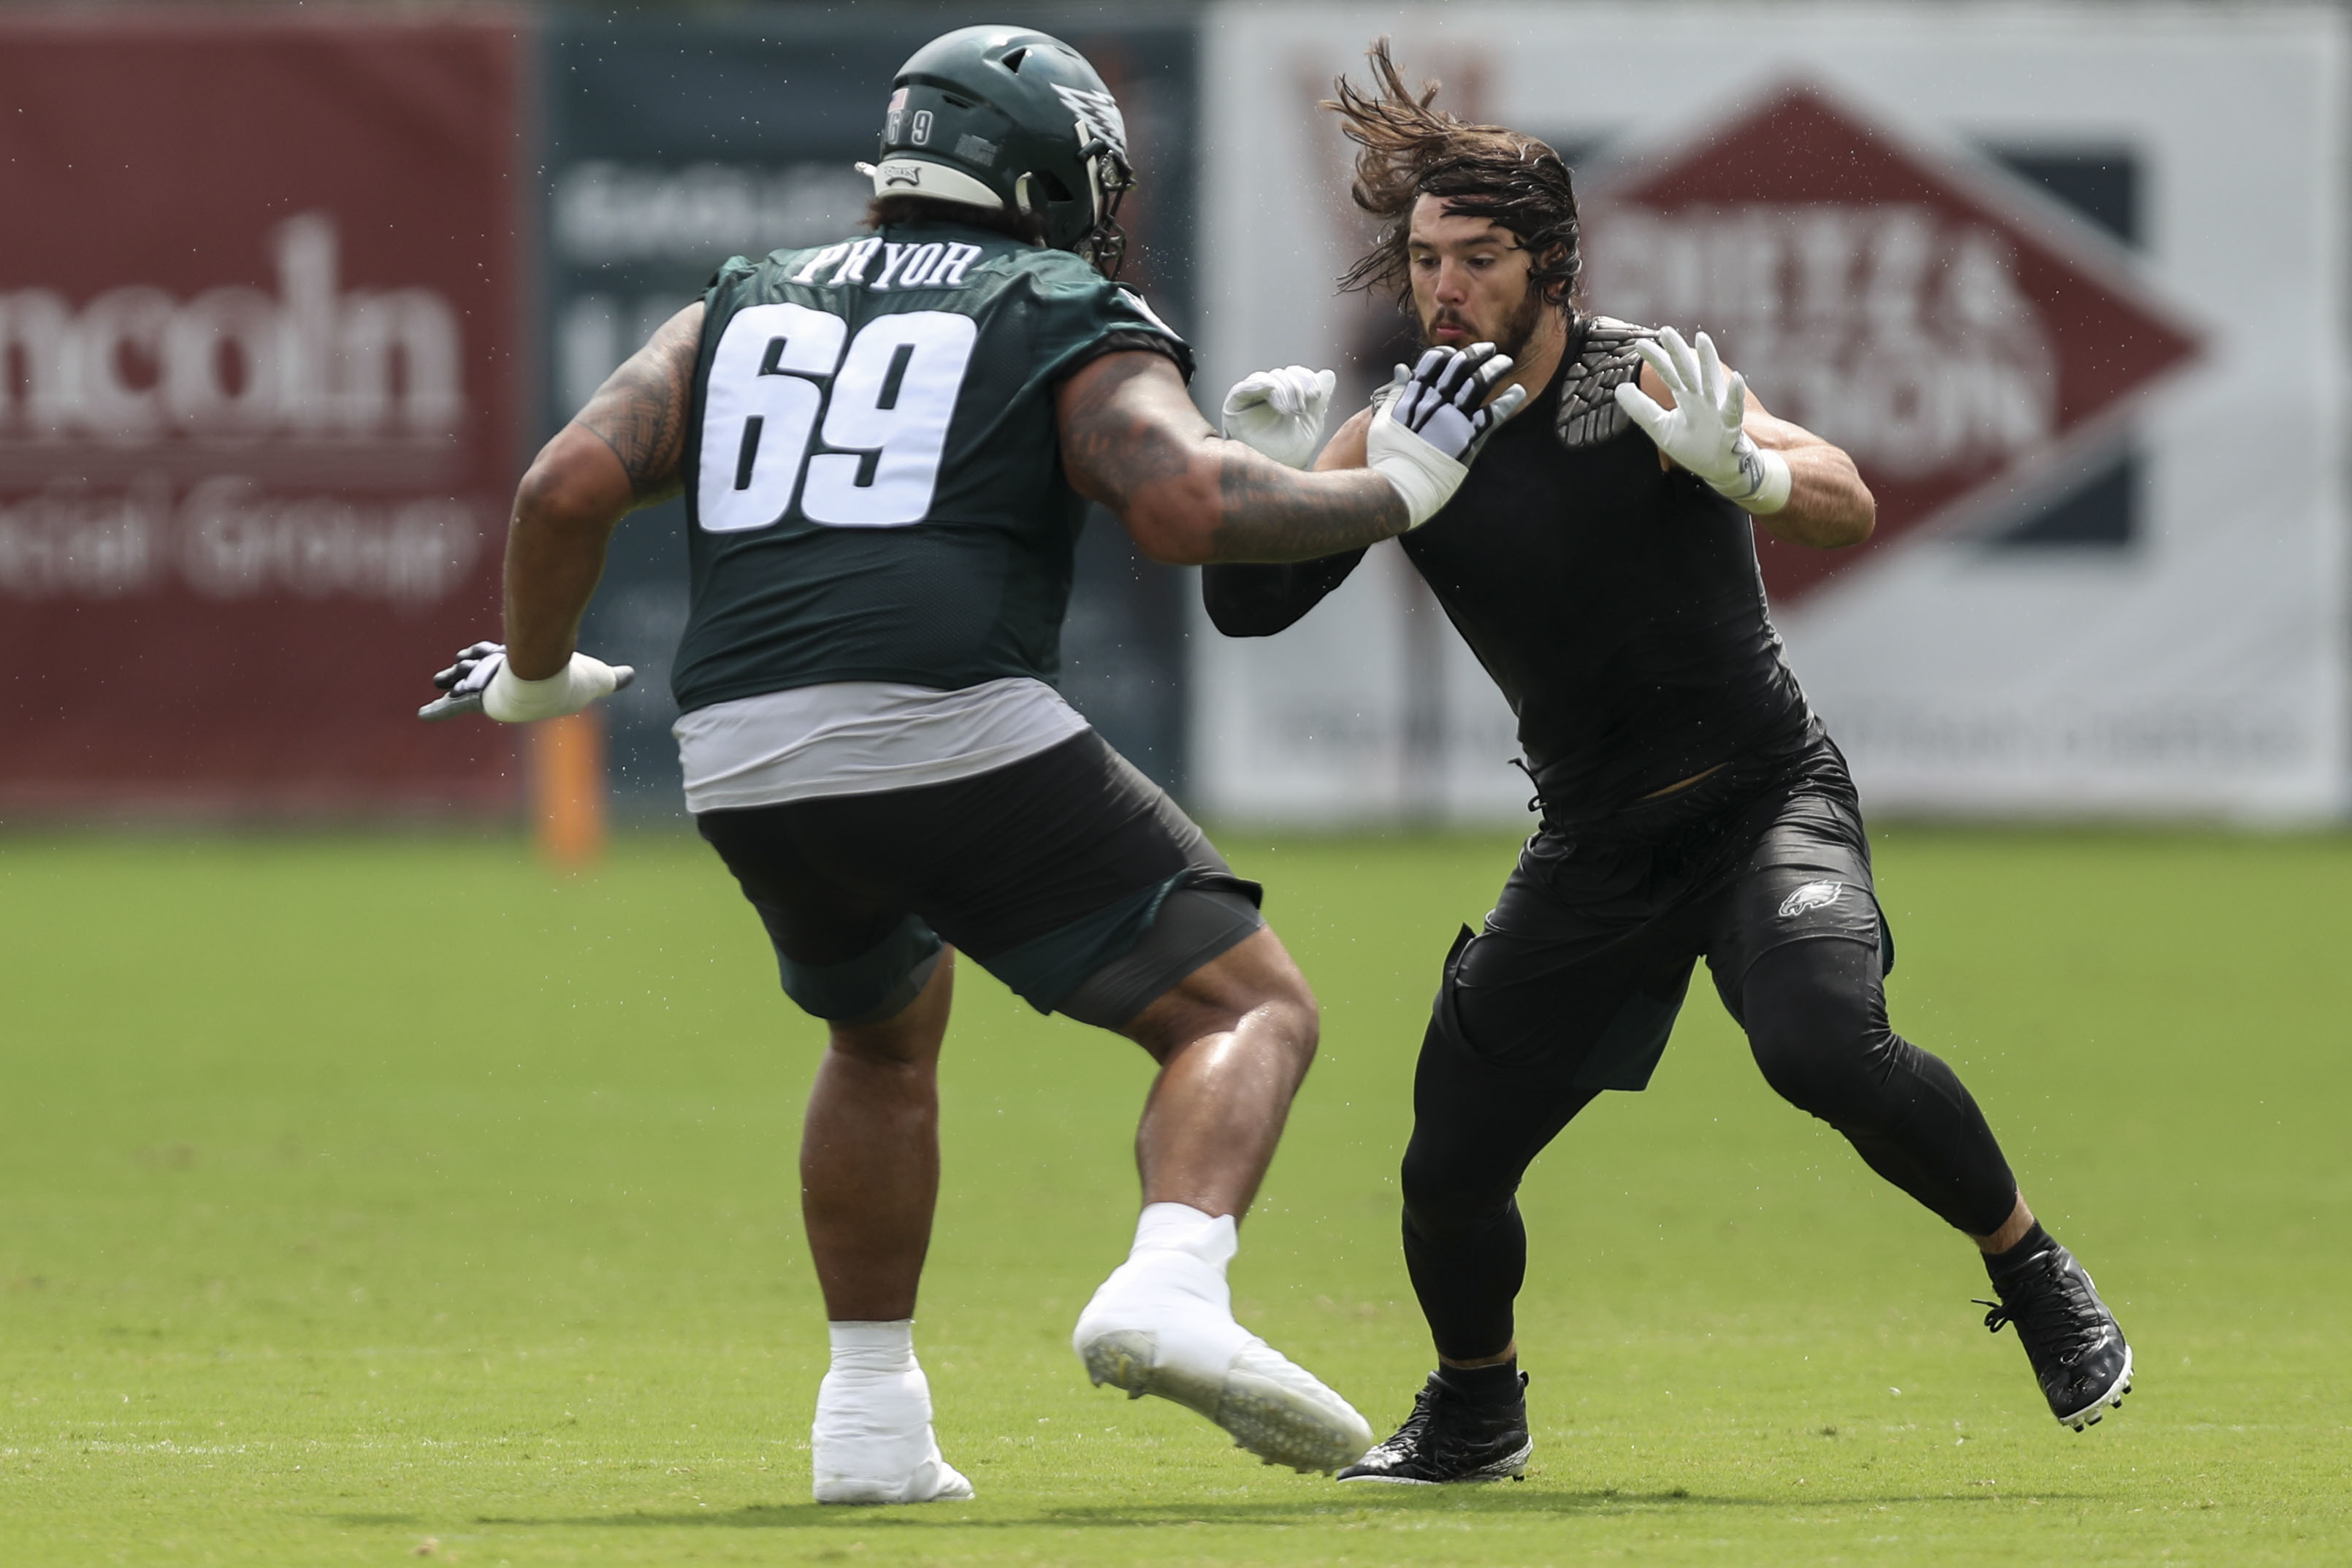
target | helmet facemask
[{"x": 1108, "y": 180}]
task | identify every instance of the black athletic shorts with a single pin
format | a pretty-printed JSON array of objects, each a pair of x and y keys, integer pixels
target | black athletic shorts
[
  {"x": 1068, "y": 875},
  {"x": 1583, "y": 966}
]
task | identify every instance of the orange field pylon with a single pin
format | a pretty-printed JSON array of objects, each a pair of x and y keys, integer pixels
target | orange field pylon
[{"x": 568, "y": 793}]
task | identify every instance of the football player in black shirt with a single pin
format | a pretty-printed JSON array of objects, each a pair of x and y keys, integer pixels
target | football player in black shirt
[{"x": 1598, "y": 561}]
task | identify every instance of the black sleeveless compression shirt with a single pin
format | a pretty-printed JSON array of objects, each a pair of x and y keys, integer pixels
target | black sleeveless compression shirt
[{"x": 1617, "y": 605}]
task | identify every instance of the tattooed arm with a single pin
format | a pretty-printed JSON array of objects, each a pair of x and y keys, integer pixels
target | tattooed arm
[
  {"x": 1132, "y": 440},
  {"x": 626, "y": 449}
]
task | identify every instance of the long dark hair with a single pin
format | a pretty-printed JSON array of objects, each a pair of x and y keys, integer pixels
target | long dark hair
[{"x": 1410, "y": 149}]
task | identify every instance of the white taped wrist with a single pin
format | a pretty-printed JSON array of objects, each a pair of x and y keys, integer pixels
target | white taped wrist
[
  {"x": 510, "y": 699},
  {"x": 1425, "y": 478},
  {"x": 1762, "y": 483}
]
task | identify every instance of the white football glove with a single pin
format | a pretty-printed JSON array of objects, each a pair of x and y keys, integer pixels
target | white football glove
[
  {"x": 1280, "y": 413},
  {"x": 1705, "y": 430},
  {"x": 1420, "y": 441},
  {"x": 481, "y": 681}
]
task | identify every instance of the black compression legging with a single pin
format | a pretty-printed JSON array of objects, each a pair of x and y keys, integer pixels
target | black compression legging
[{"x": 1816, "y": 1019}]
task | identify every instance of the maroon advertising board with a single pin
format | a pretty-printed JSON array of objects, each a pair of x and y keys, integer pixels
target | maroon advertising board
[
  {"x": 260, "y": 385},
  {"x": 1960, "y": 337}
]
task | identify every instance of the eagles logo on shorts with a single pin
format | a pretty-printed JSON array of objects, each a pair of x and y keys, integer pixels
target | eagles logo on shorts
[{"x": 1812, "y": 896}]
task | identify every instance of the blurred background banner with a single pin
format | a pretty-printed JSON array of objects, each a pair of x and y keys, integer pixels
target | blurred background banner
[
  {"x": 675, "y": 143},
  {"x": 2071, "y": 292},
  {"x": 260, "y": 378},
  {"x": 285, "y": 303}
]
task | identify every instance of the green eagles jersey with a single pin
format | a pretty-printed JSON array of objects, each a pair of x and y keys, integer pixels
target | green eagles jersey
[{"x": 874, "y": 486}]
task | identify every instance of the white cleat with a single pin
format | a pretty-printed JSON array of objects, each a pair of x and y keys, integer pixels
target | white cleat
[
  {"x": 872, "y": 1442},
  {"x": 1163, "y": 1324}
]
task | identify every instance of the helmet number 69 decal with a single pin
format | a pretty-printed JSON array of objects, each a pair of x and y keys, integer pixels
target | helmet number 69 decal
[{"x": 884, "y": 427}]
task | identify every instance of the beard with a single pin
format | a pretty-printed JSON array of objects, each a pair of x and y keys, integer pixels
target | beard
[{"x": 1511, "y": 338}]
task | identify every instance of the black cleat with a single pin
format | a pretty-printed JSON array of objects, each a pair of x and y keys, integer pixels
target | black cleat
[
  {"x": 1449, "y": 1438},
  {"x": 2078, "y": 1352}
]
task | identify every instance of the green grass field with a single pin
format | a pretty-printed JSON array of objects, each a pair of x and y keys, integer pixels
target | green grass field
[{"x": 365, "y": 1198}]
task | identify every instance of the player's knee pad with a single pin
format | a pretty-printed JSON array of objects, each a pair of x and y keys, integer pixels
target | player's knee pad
[
  {"x": 1817, "y": 1026},
  {"x": 1454, "y": 1218},
  {"x": 1444, "y": 1196}
]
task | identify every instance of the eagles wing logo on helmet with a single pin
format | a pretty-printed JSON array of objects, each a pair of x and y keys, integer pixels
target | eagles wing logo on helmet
[
  {"x": 1812, "y": 896},
  {"x": 1097, "y": 113}
]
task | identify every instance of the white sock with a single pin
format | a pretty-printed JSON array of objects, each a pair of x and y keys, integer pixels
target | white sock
[
  {"x": 1213, "y": 1239},
  {"x": 873, "y": 1347},
  {"x": 1173, "y": 1286},
  {"x": 872, "y": 1438}
]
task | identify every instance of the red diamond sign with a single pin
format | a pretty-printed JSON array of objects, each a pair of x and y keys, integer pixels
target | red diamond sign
[{"x": 1965, "y": 339}]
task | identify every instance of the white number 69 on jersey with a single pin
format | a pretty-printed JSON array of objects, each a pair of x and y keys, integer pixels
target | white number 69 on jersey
[{"x": 886, "y": 426}]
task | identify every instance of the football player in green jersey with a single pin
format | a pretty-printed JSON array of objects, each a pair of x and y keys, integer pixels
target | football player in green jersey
[{"x": 886, "y": 445}]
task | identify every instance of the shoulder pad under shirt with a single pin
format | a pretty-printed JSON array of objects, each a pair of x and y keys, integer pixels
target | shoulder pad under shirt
[{"x": 1604, "y": 360}]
